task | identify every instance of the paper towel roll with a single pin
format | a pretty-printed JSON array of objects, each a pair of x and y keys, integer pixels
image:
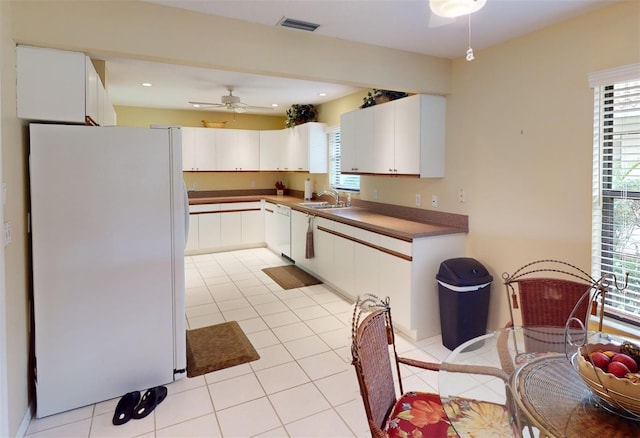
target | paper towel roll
[{"x": 307, "y": 189}]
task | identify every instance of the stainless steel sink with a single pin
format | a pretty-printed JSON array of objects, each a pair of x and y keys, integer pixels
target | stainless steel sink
[{"x": 321, "y": 205}]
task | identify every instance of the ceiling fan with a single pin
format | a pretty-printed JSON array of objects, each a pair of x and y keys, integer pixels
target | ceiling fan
[{"x": 231, "y": 103}]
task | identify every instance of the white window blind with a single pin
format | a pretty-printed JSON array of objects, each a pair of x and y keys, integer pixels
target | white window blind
[
  {"x": 616, "y": 192},
  {"x": 336, "y": 179}
]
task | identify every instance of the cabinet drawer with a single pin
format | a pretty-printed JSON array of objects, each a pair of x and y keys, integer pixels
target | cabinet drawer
[
  {"x": 367, "y": 236},
  {"x": 396, "y": 245},
  {"x": 344, "y": 229},
  {"x": 204, "y": 208},
  {"x": 235, "y": 206}
]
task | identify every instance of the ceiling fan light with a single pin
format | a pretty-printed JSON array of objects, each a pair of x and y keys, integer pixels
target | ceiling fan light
[{"x": 455, "y": 8}]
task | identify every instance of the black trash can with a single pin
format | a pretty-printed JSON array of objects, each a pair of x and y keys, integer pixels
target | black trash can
[{"x": 464, "y": 287}]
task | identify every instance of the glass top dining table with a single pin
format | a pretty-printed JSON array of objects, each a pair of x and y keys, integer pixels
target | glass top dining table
[{"x": 527, "y": 374}]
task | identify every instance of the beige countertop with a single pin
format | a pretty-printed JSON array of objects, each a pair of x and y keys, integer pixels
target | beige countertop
[{"x": 394, "y": 221}]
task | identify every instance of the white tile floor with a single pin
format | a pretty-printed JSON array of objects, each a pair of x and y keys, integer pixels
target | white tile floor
[{"x": 303, "y": 385}]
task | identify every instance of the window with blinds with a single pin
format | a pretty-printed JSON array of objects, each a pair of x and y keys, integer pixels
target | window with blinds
[
  {"x": 616, "y": 190},
  {"x": 337, "y": 180}
]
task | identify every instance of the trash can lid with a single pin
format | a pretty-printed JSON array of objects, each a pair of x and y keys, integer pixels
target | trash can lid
[{"x": 463, "y": 271}]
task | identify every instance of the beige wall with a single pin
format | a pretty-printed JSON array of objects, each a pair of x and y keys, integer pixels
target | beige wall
[{"x": 518, "y": 122}]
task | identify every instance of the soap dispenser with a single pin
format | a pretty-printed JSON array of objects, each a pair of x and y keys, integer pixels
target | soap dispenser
[{"x": 348, "y": 199}]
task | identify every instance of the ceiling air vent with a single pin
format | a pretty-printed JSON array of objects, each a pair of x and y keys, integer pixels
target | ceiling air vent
[{"x": 298, "y": 24}]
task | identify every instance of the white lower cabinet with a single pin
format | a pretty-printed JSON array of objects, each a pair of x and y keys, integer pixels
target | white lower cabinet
[
  {"x": 209, "y": 230},
  {"x": 220, "y": 227},
  {"x": 270, "y": 226},
  {"x": 193, "y": 239},
  {"x": 357, "y": 261},
  {"x": 299, "y": 225}
]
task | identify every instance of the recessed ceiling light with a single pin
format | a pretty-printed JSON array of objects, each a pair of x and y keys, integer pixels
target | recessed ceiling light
[
  {"x": 275, "y": 105},
  {"x": 145, "y": 84},
  {"x": 322, "y": 94},
  {"x": 195, "y": 105}
]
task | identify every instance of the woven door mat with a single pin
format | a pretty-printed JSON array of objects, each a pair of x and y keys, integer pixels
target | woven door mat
[
  {"x": 291, "y": 277},
  {"x": 217, "y": 347}
]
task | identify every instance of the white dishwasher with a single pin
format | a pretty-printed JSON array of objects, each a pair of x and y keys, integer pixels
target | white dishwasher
[{"x": 283, "y": 220}]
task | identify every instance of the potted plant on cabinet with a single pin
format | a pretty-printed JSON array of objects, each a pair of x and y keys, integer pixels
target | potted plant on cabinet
[
  {"x": 300, "y": 113},
  {"x": 378, "y": 96}
]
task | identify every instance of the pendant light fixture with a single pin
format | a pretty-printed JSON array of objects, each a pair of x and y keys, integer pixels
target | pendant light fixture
[{"x": 455, "y": 8}]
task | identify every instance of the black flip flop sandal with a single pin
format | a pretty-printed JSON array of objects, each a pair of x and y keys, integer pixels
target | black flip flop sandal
[
  {"x": 124, "y": 408},
  {"x": 151, "y": 398}
]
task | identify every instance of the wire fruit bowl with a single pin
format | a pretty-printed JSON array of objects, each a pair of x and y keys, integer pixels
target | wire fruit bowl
[{"x": 619, "y": 392}]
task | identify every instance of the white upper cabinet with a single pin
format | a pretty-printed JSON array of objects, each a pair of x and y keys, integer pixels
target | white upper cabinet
[
  {"x": 205, "y": 149},
  {"x": 356, "y": 131},
  {"x": 402, "y": 137},
  {"x": 188, "y": 149},
  {"x": 50, "y": 84},
  {"x": 59, "y": 86},
  {"x": 237, "y": 149},
  {"x": 301, "y": 148},
  {"x": 272, "y": 144},
  {"x": 307, "y": 148}
]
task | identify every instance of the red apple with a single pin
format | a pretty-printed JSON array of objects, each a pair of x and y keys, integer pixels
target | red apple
[
  {"x": 600, "y": 360},
  {"x": 627, "y": 360},
  {"x": 618, "y": 369}
]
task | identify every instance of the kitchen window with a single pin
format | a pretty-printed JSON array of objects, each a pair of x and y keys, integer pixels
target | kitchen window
[
  {"x": 337, "y": 180},
  {"x": 616, "y": 187}
]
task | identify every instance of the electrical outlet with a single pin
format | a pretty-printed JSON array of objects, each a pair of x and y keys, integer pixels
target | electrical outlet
[
  {"x": 462, "y": 196},
  {"x": 375, "y": 194},
  {"x": 434, "y": 200},
  {"x": 253, "y": 184},
  {"x": 418, "y": 199}
]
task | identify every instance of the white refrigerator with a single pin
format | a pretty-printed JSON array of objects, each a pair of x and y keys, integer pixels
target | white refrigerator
[{"x": 108, "y": 209}]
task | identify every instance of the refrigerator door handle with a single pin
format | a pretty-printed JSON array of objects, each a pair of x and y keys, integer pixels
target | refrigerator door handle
[{"x": 186, "y": 214}]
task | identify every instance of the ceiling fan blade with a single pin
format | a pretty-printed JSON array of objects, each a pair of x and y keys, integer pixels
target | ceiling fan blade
[
  {"x": 207, "y": 104},
  {"x": 258, "y": 108}
]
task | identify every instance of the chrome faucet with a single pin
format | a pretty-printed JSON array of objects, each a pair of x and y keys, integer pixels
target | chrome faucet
[{"x": 332, "y": 193}]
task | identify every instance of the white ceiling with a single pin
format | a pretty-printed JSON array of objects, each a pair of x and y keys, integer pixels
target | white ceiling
[{"x": 399, "y": 24}]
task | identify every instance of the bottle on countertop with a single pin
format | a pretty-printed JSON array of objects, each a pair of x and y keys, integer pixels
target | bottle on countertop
[{"x": 348, "y": 199}]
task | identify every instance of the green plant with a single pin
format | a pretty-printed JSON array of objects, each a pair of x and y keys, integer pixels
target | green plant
[
  {"x": 380, "y": 96},
  {"x": 300, "y": 113}
]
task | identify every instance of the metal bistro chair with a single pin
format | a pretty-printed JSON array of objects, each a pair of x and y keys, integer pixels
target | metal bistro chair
[{"x": 414, "y": 413}]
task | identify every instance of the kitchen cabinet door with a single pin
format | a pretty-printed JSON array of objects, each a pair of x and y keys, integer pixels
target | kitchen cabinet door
[
  {"x": 299, "y": 224},
  {"x": 248, "y": 150},
  {"x": 209, "y": 232},
  {"x": 272, "y": 146},
  {"x": 193, "y": 237},
  {"x": 323, "y": 248},
  {"x": 270, "y": 227},
  {"x": 367, "y": 263},
  {"x": 205, "y": 149},
  {"x": 252, "y": 227},
  {"x": 365, "y": 141},
  {"x": 50, "y": 84},
  {"x": 231, "y": 228},
  {"x": 348, "y": 143},
  {"x": 344, "y": 259},
  {"x": 383, "y": 139},
  {"x": 188, "y": 149},
  {"x": 297, "y": 150},
  {"x": 226, "y": 149},
  {"x": 407, "y": 135},
  {"x": 395, "y": 282}
]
